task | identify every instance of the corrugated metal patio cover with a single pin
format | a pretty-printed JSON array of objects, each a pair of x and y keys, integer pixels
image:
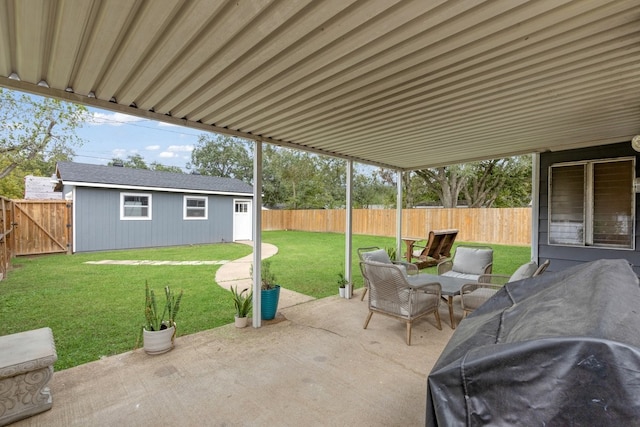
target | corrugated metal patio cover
[{"x": 407, "y": 84}]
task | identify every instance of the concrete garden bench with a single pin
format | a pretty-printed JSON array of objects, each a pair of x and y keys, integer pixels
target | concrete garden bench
[{"x": 26, "y": 366}]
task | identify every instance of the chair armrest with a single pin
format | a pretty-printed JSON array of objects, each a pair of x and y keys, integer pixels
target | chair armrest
[
  {"x": 444, "y": 266},
  {"x": 488, "y": 268},
  {"x": 411, "y": 268},
  {"x": 467, "y": 288},
  {"x": 498, "y": 279}
]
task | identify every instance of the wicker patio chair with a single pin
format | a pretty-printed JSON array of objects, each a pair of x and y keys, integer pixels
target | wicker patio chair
[
  {"x": 391, "y": 294},
  {"x": 469, "y": 262},
  {"x": 473, "y": 295},
  {"x": 374, "y": 253}
]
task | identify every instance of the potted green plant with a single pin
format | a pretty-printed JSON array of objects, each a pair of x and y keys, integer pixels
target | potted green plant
[
  {"x": 269, "y": 291},
  {"x": 159, "y": 330},
  {"x": 243, "y": 303},
  {"x": 342, "y": 283}
]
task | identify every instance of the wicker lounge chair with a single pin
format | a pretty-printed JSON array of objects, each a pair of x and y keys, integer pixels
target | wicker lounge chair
[
  {"x": 437, "y": 248},
  {"x": 391, "y": 294},
  {"x": 473, "y": 295},
  {"x": 374, "y": 253}
]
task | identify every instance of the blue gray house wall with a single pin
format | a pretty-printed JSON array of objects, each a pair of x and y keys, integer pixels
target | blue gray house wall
[
  {"x": 563, "y": 257},
  {"x": 98, "y": 226}
]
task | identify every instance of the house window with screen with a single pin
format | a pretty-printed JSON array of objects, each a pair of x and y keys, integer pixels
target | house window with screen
[
  {"x": 195, "y": 207},
  {"x": 592, "y": 203},
  {"x": 135, "y": 206}
]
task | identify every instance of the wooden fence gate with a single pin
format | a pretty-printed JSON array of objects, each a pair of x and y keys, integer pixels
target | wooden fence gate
[
  {"x": 33, "y": 227},
  {"x": 42, "y": 227}
]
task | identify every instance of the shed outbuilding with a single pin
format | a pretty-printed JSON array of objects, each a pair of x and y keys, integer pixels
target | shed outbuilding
[{"x": 124, "y": 208}]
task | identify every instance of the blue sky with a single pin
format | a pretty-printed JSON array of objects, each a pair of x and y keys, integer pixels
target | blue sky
[{"x": 110, "y": 135}]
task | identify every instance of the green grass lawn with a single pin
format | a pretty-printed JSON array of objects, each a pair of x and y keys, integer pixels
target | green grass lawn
[{"x": 97, "y": 310}]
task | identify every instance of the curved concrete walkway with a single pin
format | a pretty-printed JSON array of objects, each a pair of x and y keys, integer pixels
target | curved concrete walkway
[{"x": 238, "y": 273}]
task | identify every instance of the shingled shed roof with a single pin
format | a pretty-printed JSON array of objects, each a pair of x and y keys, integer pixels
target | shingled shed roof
[{"x": 88, "y": 175}]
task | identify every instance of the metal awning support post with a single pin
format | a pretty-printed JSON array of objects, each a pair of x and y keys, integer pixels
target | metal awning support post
[
  {"x": 535, "y": 205},
  {"x": 348, "y": 226},
  {"x": 398, "y": 214},
  {"x": 257, "y": 233}
]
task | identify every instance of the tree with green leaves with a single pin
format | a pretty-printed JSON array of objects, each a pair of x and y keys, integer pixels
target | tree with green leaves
[
  {"x": 136, "y": 161},
  {"x": 224, "y": 156},
  {"x": 155, "y": 166},
  {"x": 500, "y": 183},
  {"x": 446, "y": 182},
  {"x": 35, "y": 133},
  {"x": 489, "y": 183}
]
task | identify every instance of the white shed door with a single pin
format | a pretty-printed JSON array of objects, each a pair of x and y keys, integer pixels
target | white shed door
[{"x": 242, "y": 220}]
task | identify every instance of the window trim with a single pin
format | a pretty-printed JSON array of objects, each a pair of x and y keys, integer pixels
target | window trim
[
  {"x": 589, "y": 202},
  {"x": 185, "y": 208},
  {"x": 149, "y": 216}
]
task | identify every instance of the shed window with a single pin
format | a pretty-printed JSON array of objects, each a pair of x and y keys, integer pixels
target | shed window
[
  {"x": 592, "y": 203},
  {"x": 195, "y": 207},
  {"x": 135, "y": 206}
]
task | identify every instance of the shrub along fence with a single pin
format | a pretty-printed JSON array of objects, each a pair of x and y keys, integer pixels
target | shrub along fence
[{"x": 508, "y": 226}]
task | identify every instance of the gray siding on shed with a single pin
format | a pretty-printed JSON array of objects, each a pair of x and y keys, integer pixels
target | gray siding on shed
[
  {"x": 98, "y": 225},
  {"x": 563, "y": 257}
]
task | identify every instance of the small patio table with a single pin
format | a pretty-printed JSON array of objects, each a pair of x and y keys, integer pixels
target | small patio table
[
  {"x": 410, "y": 241},
  {"x": 450, "y": 287}
]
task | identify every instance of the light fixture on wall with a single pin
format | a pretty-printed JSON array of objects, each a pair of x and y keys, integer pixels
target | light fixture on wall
[{"x": 635, "y": 142}]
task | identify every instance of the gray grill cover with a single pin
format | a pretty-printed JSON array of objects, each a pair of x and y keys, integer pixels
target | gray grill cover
[{"x": 561, "y": 349}]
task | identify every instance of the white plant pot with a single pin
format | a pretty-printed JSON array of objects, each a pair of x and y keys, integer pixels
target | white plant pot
[
  {"x": 347, "y": 291},
  {"x": 158, "y": 342},
  {"x": 241, "y": 322},
  {"x": 341, "y": 290}
]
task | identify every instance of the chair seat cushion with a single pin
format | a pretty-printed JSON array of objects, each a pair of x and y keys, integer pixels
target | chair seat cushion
[
  {"x": 476, "y": 298},
  {"x": 471, "y": 277}
]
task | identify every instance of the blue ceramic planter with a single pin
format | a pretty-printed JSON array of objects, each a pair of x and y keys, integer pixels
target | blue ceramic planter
[{"x": 269, "y": 302}]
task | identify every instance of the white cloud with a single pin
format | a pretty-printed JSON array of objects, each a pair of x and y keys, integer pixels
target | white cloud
[
  {"x": 167, "y": 155},
  {"x": 152, "y": 147},
  {"x": 179, "y": 148},
  {"x": 119, "y": 153},
  {"x": 122, "y": 153},
  {"x": 112, "y": 119}
]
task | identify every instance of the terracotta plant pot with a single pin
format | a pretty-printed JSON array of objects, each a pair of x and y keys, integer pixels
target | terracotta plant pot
[{"x": 158, "y": 342}]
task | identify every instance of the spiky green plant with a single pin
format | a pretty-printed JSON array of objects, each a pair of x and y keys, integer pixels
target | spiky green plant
[
  {"x": 391, "y": 251},
  {"x": 242, "y": 302},
  {"x": 155, "y": 320}
]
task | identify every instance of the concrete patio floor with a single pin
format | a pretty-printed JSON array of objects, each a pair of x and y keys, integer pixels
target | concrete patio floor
[{"x": 313, "y": 365}]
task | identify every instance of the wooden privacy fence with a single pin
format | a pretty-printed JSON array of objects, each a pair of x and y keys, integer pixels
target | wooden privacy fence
[
  {"x": 33, "y": 227},
  {"x": 508, "y": 226}
]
